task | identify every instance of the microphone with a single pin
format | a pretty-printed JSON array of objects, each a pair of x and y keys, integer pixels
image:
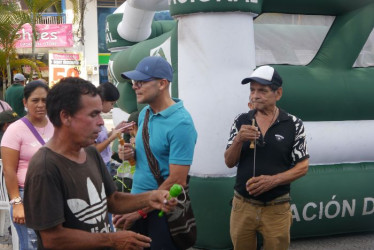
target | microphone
[{"x": 175, "y": 190}]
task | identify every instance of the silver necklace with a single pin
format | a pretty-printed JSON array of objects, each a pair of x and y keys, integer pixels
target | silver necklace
[
  {"x": 272, "y": 119},
  {"x": 42, "y": 130},
  {"x": 255, "y": 142}
]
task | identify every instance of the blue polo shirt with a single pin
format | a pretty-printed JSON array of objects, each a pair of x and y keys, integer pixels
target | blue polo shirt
[{"x": 172, "y": 138}]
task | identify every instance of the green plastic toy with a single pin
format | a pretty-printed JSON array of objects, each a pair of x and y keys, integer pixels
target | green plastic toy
[{"x": 175, "y": 190}]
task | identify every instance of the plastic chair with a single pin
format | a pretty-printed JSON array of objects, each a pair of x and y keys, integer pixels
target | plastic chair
[{"x": 4, "y": 209}]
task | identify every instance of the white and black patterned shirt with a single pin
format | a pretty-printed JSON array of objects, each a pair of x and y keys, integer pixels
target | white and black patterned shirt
[{"x": 283, "y": 146}]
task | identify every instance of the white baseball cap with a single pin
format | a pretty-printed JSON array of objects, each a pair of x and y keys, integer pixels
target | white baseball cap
[
  {"x": 265, "y": 75},
  {"x": 19, "y": 77}
]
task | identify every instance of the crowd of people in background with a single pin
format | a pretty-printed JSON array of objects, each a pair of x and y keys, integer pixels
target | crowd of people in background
[
  {"x": 31, "y": 129},
  {"x": 59, "y": 165}
]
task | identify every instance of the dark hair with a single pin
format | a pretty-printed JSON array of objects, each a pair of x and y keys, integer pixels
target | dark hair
[
  {"x": 66, "y": 95},
  {"x": 108, "y": 92},
  {"x": 31, "y": 86},
  {"x": 274, "y": 87},
  {"x": 134, "y": 116}
]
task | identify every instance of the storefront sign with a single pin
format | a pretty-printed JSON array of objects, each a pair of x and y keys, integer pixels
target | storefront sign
[
  {"x": 43, "y": 70},
  {"x": 63, "y": 64},
  {"x": 50, "y": 36}
]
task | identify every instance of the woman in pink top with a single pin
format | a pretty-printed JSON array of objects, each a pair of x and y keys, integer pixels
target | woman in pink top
[{"x": 18, "y": 145}]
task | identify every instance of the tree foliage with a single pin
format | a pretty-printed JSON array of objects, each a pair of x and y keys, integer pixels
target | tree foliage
[{"x": 11, "y": 20}]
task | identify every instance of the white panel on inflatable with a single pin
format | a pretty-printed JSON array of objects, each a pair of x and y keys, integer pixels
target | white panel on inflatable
[
  {"x": 138, "y": 17},
  {"x": 203, "y": 40},
  {"x": 337, "y": 142}
]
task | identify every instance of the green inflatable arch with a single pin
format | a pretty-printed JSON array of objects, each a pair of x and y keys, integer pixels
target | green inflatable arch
[{"x": 331, "y": 198}]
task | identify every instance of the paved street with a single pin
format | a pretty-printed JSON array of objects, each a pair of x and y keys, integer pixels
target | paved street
[{"x": 362, "y": 241}]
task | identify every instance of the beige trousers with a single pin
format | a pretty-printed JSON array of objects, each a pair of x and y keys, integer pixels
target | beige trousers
[{"x": 273, "y": 222}]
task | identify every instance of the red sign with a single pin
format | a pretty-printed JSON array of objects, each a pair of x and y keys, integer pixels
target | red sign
[
  {"x": 63, "y": 64},
  {"x": 50, "y": 36}
]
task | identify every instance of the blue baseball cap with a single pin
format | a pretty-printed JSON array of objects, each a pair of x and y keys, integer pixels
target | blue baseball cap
[{"x": 150, "y": 67}]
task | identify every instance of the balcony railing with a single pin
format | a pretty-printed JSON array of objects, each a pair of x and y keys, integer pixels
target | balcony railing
[{"x": 52, "y": 18}]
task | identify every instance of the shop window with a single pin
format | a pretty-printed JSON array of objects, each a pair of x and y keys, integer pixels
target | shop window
[
  {"x": 109, "y": 3},
  {"x": 103, "y": 73}
]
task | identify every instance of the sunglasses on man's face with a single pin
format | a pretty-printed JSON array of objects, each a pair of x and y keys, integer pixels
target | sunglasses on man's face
[{"x": 139, "y": 84}]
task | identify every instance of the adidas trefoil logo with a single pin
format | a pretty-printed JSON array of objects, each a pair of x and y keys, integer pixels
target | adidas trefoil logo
[{"x": 93, "y": 212}]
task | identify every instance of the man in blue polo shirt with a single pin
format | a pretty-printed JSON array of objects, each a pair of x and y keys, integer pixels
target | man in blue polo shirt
[
  {"x": 266, "y": 167},
  {"x": 172, "y": 139}
]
